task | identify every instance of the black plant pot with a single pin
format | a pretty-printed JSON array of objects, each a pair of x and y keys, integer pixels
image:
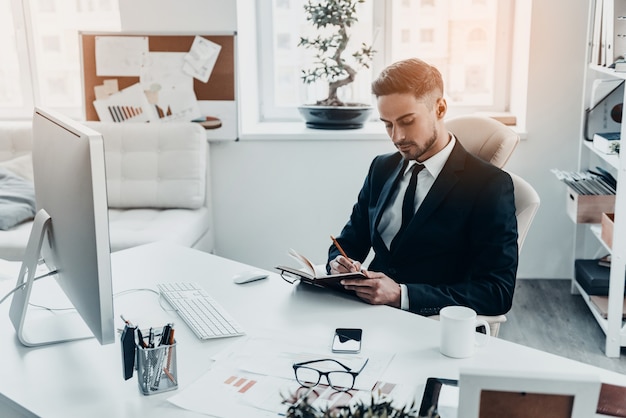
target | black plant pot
[{"x": 335, "y": 117}]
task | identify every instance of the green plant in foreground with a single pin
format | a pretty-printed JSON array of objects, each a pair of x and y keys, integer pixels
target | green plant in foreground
[{"x": 378, "y": 407}]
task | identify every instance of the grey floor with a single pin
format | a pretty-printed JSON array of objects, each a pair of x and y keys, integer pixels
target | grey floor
[{"x": 546, "y": 316}]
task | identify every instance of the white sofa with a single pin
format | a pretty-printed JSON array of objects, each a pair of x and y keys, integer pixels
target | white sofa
[{"x": 157, "y": 183}]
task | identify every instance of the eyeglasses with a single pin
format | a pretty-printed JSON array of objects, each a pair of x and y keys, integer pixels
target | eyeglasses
[
  {"x": 289, "y": 277},
  {"x": 340, "y": 380}
]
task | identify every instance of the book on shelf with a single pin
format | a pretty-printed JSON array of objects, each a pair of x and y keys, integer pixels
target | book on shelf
[
  {"x": 605, "y": 261},
  {"x": 310, "y": 274},
  {"x": 620, "y": 65},
  {"x": 601, "y": 304},
  {"x": 607, "y": 142},
  {"x": 588, "y": 183}
]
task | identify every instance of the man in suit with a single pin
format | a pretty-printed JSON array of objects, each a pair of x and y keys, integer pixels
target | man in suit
[{"x": 459, "y": 242}]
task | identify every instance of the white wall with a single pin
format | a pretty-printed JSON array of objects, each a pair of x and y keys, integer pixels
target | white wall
[
  {"x": 273, "y": 195},
  {"x": 191, "y": 16}
]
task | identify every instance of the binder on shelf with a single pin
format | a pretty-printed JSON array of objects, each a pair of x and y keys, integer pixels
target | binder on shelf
[
  {"x": 596, "y": 35},
  {"x": 606, "y": 54},
  {"x": 607, "y": 142},
  {"x": 619, "y": 29},
  {"x": 608, "y": 34},
  {"x": 604, "y": 113},
  {"x": 601, "y": 304}
]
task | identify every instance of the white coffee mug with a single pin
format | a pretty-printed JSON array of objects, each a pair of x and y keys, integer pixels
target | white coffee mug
[{"x": 459, "y": 338}]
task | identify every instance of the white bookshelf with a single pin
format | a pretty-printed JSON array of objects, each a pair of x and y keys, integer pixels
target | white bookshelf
[{"x": 613, "y": 326}]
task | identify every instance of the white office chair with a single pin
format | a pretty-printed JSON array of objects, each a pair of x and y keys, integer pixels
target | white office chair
[
  {"x": 494, "y": 142},
  {"x": 484, "y": 137}
]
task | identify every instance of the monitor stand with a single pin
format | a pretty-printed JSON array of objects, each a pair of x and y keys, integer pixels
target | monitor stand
[{"x": 41, "y": 328}]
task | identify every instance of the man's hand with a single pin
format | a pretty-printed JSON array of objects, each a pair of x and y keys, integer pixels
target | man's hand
[
  {"x": 344, "y": 265},
  {"x": 377, "y": 289}
]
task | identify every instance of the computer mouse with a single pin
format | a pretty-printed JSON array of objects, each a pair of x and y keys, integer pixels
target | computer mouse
[{"x": 249, "y": 276}]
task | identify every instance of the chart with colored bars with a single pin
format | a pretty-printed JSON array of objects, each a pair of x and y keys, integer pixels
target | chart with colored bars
[
  {"x": 122, "y": 113},
  {"x": 163, "y": 113},
  {"x": 239, "y": 384}
]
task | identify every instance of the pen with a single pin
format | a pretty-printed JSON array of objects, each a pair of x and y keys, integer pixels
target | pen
[
  {"x": 166, "y": 369},
  {"x": 126, "y": 321},
  {"x": 343, "y": 253},
  {"x": 165, "y": 335},
  {"x": 169, "y": 354}
]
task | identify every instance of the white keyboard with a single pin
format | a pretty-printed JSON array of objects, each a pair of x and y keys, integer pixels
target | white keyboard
[{"x": 206, "y": 318}]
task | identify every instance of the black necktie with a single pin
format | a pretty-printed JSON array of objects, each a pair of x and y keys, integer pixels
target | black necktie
[{"x": 408, "y": 203}]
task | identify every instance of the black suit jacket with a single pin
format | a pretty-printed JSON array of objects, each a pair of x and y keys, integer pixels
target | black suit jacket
[{"x": 460, "y": 248}]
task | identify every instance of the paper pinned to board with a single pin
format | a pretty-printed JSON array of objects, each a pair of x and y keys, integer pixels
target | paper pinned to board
[
  {"x": 201, "y": 58},
  {"x": 167, "y": 87},
  {"x": 127, "y": 105},
  {"x": 119, "y": 55},
  {"x": 107, "y": 88}
]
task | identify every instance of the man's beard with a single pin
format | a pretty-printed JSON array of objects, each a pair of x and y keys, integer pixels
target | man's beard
[{"x": 422, "y": 150}]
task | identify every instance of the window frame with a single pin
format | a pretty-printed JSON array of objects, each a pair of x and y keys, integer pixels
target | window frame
[
  {"x": 18, "y": 14},
  {"x": 26, "y": 47},
  {"x": 268, "y": 111}
]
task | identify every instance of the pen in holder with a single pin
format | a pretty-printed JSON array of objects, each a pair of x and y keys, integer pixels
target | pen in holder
[{"x": 156, "y": 368}]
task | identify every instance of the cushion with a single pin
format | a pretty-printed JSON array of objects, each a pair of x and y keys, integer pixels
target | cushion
[
  {"x": 154, "y": 165},
  {"x": 22, "y": 166},
  {"x": 17, "y": 199},
  {"x": 132, "y": 227}
]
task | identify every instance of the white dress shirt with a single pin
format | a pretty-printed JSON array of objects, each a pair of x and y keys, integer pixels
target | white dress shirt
[{"x": 391, "y": 218}]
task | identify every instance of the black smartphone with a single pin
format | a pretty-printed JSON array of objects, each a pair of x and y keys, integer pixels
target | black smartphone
[{"x": 347, "y": 340}]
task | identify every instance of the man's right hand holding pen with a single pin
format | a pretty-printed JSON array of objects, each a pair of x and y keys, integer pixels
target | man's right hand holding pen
[
  {"x": 376, "y": 288},
  {"x": 344, "y": 264}
]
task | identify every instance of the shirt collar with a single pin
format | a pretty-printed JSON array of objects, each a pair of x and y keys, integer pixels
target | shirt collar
[{"x": 435, "y": 164}]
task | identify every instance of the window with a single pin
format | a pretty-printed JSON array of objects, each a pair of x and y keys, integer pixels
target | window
[
  {"x": 469, "y": 43},
  {"x": 41, "y": 60}
]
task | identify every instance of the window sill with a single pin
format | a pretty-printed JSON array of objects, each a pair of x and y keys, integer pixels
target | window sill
[
  {"x": 292, "y": 131},
  {"x": 278, "y": 131}
]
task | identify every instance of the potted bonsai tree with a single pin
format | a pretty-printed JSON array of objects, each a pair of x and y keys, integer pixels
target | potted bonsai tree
[{"x": 334, "y": 18}]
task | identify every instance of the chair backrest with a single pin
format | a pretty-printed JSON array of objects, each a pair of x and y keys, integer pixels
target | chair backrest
[
  {"x": 484, "y": 137},
  {"x": 493, "y": 141},
  {"x": 526, "y": 205}
]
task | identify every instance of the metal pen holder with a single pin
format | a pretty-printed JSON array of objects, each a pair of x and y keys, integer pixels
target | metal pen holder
[{"x": 156, "y": 369}]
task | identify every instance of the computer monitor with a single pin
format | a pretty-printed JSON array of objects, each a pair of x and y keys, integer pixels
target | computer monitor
[{"x": 70, "y": 234}]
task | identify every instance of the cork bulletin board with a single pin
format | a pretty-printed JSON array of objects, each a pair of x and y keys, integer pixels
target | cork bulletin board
[{"x": 211, "y": 98}]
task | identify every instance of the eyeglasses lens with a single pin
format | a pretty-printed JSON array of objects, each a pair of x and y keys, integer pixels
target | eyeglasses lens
[
  {"x": 307, "y": 377},
  {"x": 341, "y": 380}
]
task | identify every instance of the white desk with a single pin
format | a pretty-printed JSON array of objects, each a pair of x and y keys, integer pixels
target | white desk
[{"x": 82, "y": 379}]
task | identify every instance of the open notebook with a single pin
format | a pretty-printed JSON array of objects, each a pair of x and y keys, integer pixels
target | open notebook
[{"x": 308, "y": 273}]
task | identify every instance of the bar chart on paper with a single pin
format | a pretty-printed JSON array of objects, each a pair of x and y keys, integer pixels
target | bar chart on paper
[
  {"x": 122, "y": 113},
  {"x": 239, "y": 384}
]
